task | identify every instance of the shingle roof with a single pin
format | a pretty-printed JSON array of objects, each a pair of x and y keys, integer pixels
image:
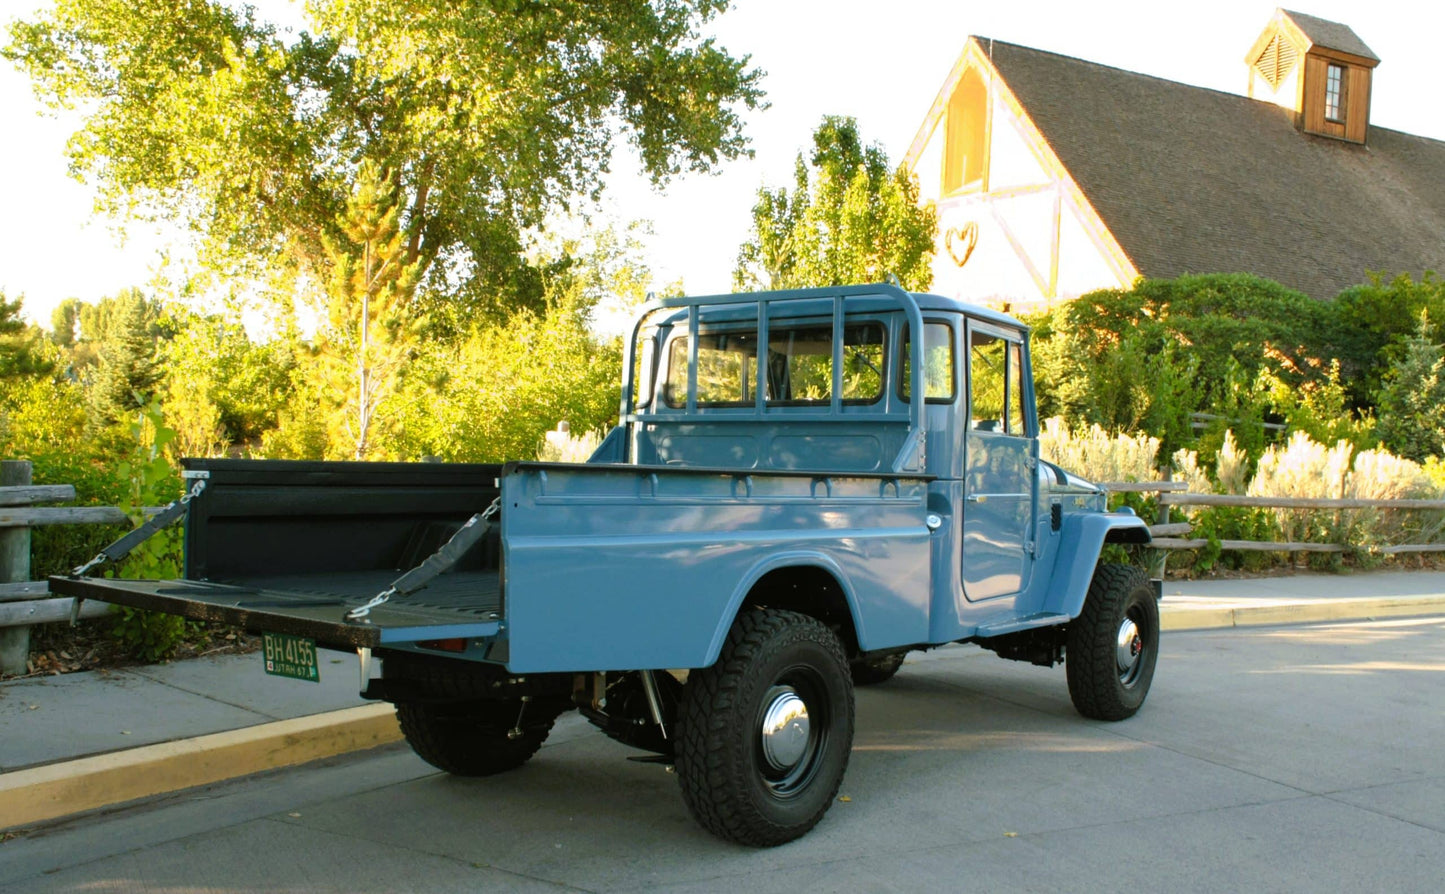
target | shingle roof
[
  {"x": 1191, "y": 180},
  {"x": 1330, "y": 35}
]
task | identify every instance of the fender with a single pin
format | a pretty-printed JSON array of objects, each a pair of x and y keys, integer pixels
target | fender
[
  {"x": 1082, "y": 538},
  {"x": 790, "y": 559}
]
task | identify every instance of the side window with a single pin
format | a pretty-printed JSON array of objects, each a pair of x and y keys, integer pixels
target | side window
[
  {"x": 643, "y": 364},
  {"x": 939, "y": 384},
  {"x": 986, "y": 377},
  {"x": 1017, "y": 422},
  {"x": 863, "y": 362},
  {"x": 995, "y": 382}
]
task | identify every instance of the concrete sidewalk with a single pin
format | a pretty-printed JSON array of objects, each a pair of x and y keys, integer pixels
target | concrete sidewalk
[{"x": 77, "y": 742}]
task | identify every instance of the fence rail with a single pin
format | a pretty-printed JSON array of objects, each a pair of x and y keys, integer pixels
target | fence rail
[
  {"x": 1295, "y": 502},
  {"x": 1167, "y": 535}
]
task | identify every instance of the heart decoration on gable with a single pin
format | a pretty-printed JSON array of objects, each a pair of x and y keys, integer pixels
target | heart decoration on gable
[{"x": 961, "y": 242}]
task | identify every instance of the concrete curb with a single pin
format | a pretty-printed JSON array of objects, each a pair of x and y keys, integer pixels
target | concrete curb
[
  {"x": 1206, "y": 617},
  {"x": 62, "y": 789},
  {"x": 57, "y": 790}
]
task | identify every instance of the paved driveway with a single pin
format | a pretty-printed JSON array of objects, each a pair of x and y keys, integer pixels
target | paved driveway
[{"x": 1287, "y": 759}]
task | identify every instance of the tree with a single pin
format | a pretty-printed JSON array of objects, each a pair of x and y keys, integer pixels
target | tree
[
  {"x": 22, "y": 353},
  {"x": 494, "y": 394},
  {"x": 372, "y": 330},
  {"x": 485, "y": 116},
  {"x": 127, "y": 370},
  {"x": 1411, "y": 421},
  {"x": 65, "y": 323},
  {"x": 222, "y": 388},
  {"x": 1378, "y": 318},
  {"x": 849, "y": 219}
]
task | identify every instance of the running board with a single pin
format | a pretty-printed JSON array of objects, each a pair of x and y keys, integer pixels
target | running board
[{"x": 1027, "y": 622}]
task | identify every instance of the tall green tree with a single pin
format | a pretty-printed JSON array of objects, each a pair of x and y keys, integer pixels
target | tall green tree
[
  {"x": 372, "y": 329},
  {"x": 849, "y": 218},
  {"x": 127, "y": 369},
  {"x": 486, "y": 115}
]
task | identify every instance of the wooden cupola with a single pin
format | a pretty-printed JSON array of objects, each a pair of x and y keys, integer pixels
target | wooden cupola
[{"x": 1319, "y": 70}]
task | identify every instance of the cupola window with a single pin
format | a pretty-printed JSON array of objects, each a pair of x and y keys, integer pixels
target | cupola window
[{"x": 1335, "y": 93}]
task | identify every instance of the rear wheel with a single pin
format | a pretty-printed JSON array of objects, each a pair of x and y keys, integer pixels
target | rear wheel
[
  {"x": 764, "y": 734},
  {"x": 1113, "y": 645},
  {"x": 452, "y": 723},
  {"x": 476, "y": 738}
]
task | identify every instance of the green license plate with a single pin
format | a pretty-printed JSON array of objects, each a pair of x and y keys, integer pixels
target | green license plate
[{"x": 290, "y": 656}]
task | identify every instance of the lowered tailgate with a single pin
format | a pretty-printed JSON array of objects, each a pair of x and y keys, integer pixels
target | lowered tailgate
[{"x": 291, "y": 547}]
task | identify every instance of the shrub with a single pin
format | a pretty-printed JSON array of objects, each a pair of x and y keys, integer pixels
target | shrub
[
  {"x": 1186, "y": 469},
  {"x": 494, "y": 396},
  {"x": 1303, "y": 468},
  {"x": 1232, "y": 467},
  {"x": 150, "y": 636},
  {"x": 1097, "y": 455},
  {"x": 1148, "y": 357},
  {"x": 562, "y": 446},
  {"x": 1412, "y": 422},
  {"x": 1379, "y": 475},
  {"x": 1376, "y": 319}
]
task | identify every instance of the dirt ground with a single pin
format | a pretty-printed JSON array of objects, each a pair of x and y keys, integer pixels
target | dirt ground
[{"x": 62, "y": 649}]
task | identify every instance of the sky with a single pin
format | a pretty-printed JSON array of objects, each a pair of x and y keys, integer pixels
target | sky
[{"x": 881, "y": 63}]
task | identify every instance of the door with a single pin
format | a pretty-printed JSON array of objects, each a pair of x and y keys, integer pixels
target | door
[{"x": 999, "y": 463}]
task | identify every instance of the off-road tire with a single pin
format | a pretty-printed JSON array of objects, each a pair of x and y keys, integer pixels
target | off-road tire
[
  {"x": 872, "y": 671},
  {"x": 733, "y": 786},
  {"x": 475, "y": 738},
  {"x": 1101, "y": 685},
  {"x": 456, "y": 729}
]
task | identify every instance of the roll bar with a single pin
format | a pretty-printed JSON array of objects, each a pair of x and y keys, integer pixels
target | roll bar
[{"x": 910, "y": 457}]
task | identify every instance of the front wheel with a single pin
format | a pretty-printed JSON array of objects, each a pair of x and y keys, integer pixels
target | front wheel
[
  {"x": 1113, "y": 645},
  {"x": 764, "y": 734}
]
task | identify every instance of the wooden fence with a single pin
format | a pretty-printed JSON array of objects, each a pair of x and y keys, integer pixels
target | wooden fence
[
  {"x": 1167, "y": 535},
  {"x": 24, "y": 602}
]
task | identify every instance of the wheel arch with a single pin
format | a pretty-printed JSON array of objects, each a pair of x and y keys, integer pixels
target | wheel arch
[
  {"x": 1082, "y": 540},
  {"x": 809, "y": 583}
]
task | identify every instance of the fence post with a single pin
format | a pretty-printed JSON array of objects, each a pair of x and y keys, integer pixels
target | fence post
[
  {"x": 14, "y": 566},
  {"x": 1157, "y": 572}
]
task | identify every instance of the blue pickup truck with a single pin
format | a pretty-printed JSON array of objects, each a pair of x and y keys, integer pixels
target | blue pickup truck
[{"x": 778, "y": 516}]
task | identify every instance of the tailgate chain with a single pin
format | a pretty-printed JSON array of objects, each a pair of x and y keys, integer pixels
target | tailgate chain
[
  {"x": 133, "y": 538},
  {"x": 435, "y": 564}
]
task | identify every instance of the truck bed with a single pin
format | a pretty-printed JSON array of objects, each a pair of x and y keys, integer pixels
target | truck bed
[
  {"x": 290, "y": 547},
  {"x": 589, "y": 567}
]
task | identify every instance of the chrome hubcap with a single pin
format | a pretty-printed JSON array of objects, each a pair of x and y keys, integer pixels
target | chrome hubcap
[
  {"x": 785, "y": 730},
  {"x": 1129, "y": 650}
]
